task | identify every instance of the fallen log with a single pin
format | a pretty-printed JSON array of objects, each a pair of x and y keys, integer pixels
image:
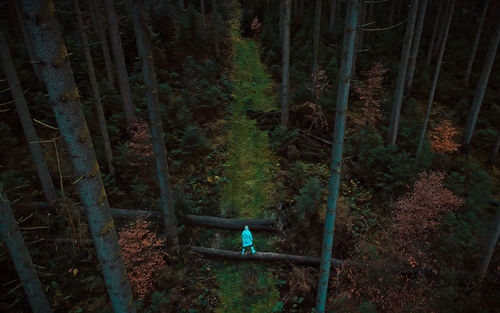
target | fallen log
[
  {"x": 264, "y": 256},
  {"x": 199, "y": 220}
]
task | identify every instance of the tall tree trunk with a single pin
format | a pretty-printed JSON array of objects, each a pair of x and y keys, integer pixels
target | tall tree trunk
[
  {"x": 101, "y": 36},
  {"x": 285, "y": 64},
  {"x": 434, "y": 32},
  {"x": 415, "y": 45},
  {"x": 317, "y": 26},
  {"x": 26, "y": 121},
  {"x": 481, "y": 84},
  {"x": 281, "y": 21},
  {"x": 51, "y": 50},
  {"x": 21, "y": 258},
  {"x": 400, "y": 82},
  {"x": 357, "y": 37},
  {"x": 216, "y": 20},
  {"x": 95, "y": 88},
  {"x": 333, "y": 15},
  {"x": 119, "y": 58},
  {"x": 180, "y": 3},
  {"x": 435, "y": 81},
  {"x": 36, "y": 65},
  {"x": 391, "y": 12},
  {"x": 440, "y": 34},
  {"x": 476, "y": 43},
  {"x": 491, "y": 243},
  {"x": 144, "y": 46},
  {"x": 202, "y": 8},
  {"x": 338, "y": 140},
  {"x": 494, "y": 150}
]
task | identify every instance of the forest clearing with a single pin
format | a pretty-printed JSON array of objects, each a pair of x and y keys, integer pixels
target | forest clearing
[{"x": 249, "y": 156}]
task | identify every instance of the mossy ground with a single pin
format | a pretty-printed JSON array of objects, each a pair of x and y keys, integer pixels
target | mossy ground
[{"x": 249, "y": 169}]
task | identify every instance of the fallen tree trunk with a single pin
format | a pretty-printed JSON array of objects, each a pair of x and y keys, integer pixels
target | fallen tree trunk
[
  {"x": 264, "y": 256},
  {"x": 200, "y": 220}
]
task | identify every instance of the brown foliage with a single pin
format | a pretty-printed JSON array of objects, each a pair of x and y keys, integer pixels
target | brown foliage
[
  {"x": 442, "y": 137},
  {"x": 143, "y": 255},
  {"x": 140, "y": 145},
  {"x": 368, "y": 92}
]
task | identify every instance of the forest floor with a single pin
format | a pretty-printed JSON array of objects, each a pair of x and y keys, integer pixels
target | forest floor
[{"x": 249, "y": 168}]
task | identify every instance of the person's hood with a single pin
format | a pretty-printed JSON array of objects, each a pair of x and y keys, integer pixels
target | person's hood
[{"x": 246, "y": 228}]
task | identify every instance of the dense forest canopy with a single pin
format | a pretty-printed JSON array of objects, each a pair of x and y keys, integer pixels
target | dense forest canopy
[{"x": 249, "y": 156}]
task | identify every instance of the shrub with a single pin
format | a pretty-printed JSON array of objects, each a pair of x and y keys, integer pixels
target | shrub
[{"x": 142, "y": 255}]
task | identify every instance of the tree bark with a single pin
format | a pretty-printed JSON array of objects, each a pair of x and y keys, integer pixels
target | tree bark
[
  {"x": 435, "y": 81},
  {"x": 101, "y": 36},
  {"x": 358, "y": 42},
  {"x": 21, "y": 258},
  {"x": 489, "y": 248},
  {"x": 285, "y": 64},
  {"x": 338, "y": 141},
  {"x": 415, "y": 45},
  {"x": 434, "y": 32},
  {"x": 144, "y": 46},
  {"x": 216, "y": 21},
  {"x": 26, "y": 121},
  {"x": 333, "y": 15},
  {"x": 119, "y": 58},
  {"x": 440, "y": 34},
  {"x": 391, "y": 12},
  {"x": 49, "y": 46},
  {"x": 28, "y": 44},
  {"x": 475, "y": 44},
  {"x": 264, "y": 256},
  {"x": 95, "y": 88},
  {"x": 494, "y": 151},
  {"x": 400, "y": 82},
  {"x": 317, "y": 25},
  {"x": 481, "y": 85}
]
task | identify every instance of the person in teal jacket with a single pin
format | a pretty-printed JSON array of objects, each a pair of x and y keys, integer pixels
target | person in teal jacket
[{"x": 247, "y": 240}]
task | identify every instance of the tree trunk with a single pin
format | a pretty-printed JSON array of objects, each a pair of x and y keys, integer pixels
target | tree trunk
[
  {"x": 400, "y": 82},
  {"x": 317, "y": 25},
  {"x": 121, "y": 67},
  {"x": 494, "y": 151},
  {"x": 216, "y": 21},
  {"x": 21, "y": 258},
  {"x": 95, "y": 88},
  {"x": 475, "y": 44},
  {"x": 264, "y": 256},
  {"x": 492, "y": 240},
  {"x": 101, "y": 36},
  {"x": 281, "y": 21},
  {"x": 481, "y": 85},
  {"x": 29, "y": 45},
  {"x": 434, "y": 32},
  {"x": 440, "y": 34},
  {"x": 333, "y": 15},
  {"x": 391, "y": 12},
  {"x": 338, "y": 140},
  {"x": 26, "y": 121},
  {"x": 415, "y": 45},
  {"x": 144, "y": 46},
  {"x": 50, "y": 49},
  {"x": 285, "y": 64},
  {"x": 202, "y": 8},
  {"x": 180, "y": 3},
  {"x": 435, "y": 81}
]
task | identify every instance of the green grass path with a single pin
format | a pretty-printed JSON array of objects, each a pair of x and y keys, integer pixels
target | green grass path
[{"x": 250, "y": 168}]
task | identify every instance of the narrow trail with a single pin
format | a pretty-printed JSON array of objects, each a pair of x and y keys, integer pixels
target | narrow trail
[{"x": 250, "y": 169}]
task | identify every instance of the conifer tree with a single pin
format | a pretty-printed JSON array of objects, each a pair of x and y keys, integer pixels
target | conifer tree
[
  {"x": 144, "y": 46},
  {"x": 101, "y": 36},
  {"x": 476, "y": 43},
  {"x": 416, "y": 44},
  {"x": 50, "y": 49},
  {"x": 95, "y": 88},
  {"x": 481, "y": 84},
  {"x": 285, "y": 63},
  {"x": 119, "y": 60},
  {"x": 338, "y": 141},
  {"x": 397, "y": 100},
  {"x": 21, "y": 257},
  {"x": 26, "y": 121}
]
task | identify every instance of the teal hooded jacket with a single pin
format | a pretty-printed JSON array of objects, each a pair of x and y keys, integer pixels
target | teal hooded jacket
[{"x": 246, "y": 237}]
